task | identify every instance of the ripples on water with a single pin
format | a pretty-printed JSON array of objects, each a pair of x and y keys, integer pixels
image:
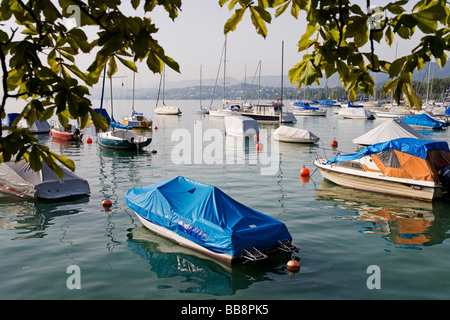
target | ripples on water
[{"x": 341, "y": 232}]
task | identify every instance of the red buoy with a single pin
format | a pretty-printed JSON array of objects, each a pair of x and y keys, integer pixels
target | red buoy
[
  {"x": 304, "y": 172},
  {"x": 293, "y": 265},
  {"x": 334, "y": 144},
  {"x": 106, "y": 204},
  {"x": 256, "y": 137},
  {"x": 156, "y": 128},
  {"x": 89, "y": 140}
]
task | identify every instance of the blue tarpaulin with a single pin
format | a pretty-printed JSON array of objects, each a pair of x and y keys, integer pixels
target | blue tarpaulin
[
  {"x": 207, "y": 216},
  {"x": 304, "y": 105},
  {"x": 415, "y": 147},
  {"x": 424, "y": 120}
]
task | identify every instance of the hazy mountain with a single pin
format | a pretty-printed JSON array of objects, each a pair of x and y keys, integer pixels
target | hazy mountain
[{"x": 183, "y": 88}]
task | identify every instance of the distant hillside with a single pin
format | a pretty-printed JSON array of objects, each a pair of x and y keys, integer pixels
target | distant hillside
[{"x": 189, "y": 89}]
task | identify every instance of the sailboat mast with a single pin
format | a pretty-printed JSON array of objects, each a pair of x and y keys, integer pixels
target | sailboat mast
[
  {"x": 281, "y": 97},
  {"x": 134, "y": 76},
  {"x": 112, "y": 107},
  {"x": 224, "y": 67},
  {"x": 103, "y": 88}
]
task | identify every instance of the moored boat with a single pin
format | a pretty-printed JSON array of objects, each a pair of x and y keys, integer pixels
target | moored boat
[
  {"x": 424, "y": 121},
  {"x": 20, "y": 180},
  {"x": 69, "y": 132},
  {"x": 241, "y": 126},
  {"x": 389, "y": 130},
  {"x": 120, "y": 137},
  {"x": 301, "y": 108},
  {"x": 406, "y": 167},
  {"x": 294, "y": 135},
  {"x": 205, "y": 219},
  {"x": 137, "y": 120},
  {"x": 355, "y": 113}
]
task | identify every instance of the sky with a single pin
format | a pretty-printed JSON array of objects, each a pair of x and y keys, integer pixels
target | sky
[{"x": 196, "y": 38}]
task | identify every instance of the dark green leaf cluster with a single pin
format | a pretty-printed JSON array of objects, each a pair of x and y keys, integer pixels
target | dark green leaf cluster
[{"x": 39, "y": 58}]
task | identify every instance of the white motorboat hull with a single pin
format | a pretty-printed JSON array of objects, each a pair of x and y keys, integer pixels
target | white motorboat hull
[
  {"x": 166, "y": 233},
  {"x": 376, "y": 182}
]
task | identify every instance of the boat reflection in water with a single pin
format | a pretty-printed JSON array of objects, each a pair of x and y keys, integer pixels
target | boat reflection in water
[
  {"x": 408, "y": 223},
  {"x": 31, "y": 218},
  {"x": 198, "y": 271}
]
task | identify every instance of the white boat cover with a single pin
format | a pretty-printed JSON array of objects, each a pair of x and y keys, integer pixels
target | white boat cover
[
  {"x": 167, "y": 110},
  {"x": 356, "y": 113},
  {"x": 241, "y": 126},
  {"x": 389, "y": 130},
  {"x": 36, "y": 127},
  {"x": 20, "y": 179},
  {"x": 291, "y": 134}
]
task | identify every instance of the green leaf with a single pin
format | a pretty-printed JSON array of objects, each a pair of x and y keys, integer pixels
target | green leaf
[
  {"x": 112, "y": 67},
  {"x": 231, "y": 23},
  {"x": 258, "y": 22},
  {"x": 129, "y": 64}
]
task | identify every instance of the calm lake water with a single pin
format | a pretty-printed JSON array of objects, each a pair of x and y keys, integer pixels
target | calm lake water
[{"x": 343, "y": 234}]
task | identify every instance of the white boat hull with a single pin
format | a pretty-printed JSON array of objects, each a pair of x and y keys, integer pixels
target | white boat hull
[
  {"x": 376, "y": 182},
  {"x": 166, "y": 233}
]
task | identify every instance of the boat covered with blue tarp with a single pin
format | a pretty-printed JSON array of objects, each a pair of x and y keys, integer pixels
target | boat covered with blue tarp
[
  {"x": 204, "y": 218},
  {"x": 412, "y": 146},
  {"x": 424, "y": 121}
]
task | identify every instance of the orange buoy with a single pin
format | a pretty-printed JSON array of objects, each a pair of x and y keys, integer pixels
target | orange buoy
[
  {"x": 106, "y": 204},
  {"x": 259, "y": 147},
  {"x": 304, "y": 172},
  {"x": 256, "y": 137},
  {"x": 89, "y": 140},
  {"x": 334, "y": 144},
  {"x": 293, "y": 265}
]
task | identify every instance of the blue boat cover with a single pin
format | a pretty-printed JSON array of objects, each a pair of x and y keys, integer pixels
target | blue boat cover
[
  {"x": 415, "y": 147},
  {"x": 355, "y": 105},
  {"x": 327, "y": 102},
  {"x": 304, "y": 105},
  {"x": 207, "y": 216},
  {"x": 447, "y": 111},
  {"x": 424, "y": 120},
  {"x": 103, "y": 113},
  {"x": 118, "y": 125}
]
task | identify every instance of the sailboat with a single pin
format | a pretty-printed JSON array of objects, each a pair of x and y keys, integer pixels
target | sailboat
[
  {"x": 120, "y": 136},
  {"x": 163, "y": 109},
  {"x": 137, "y": 120},
  {"x": 270, "y": 112},
  {"x": 228, "y": 107},
  {"x": 201, "y": 110}
]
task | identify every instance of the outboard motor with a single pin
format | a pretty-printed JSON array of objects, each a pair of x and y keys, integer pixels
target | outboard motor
[{"x": 444, "y": 177}]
